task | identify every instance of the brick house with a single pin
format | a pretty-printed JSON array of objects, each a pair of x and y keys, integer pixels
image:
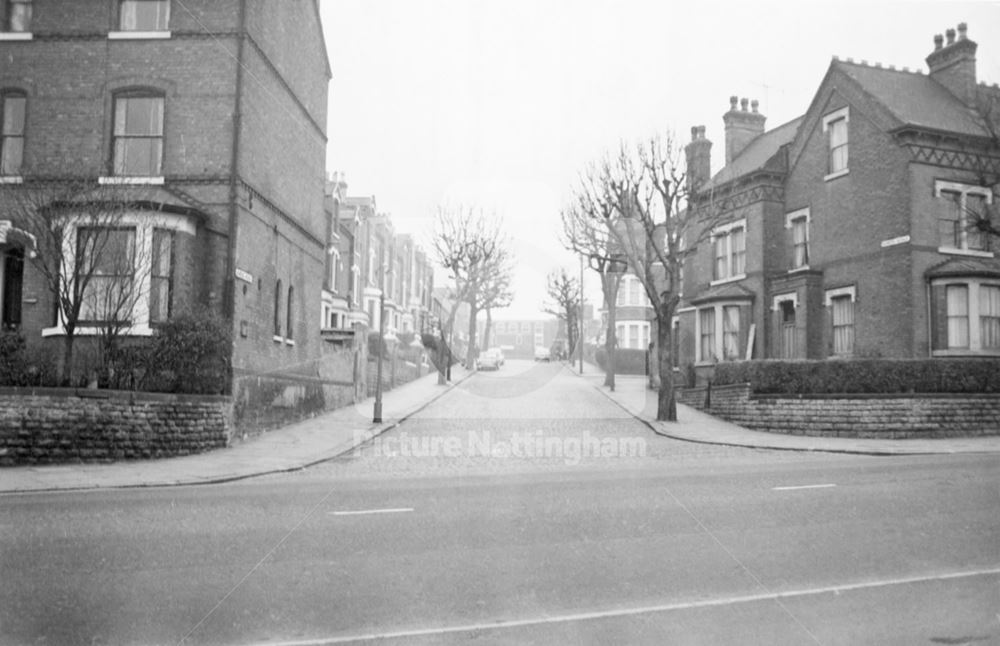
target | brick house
[
  {"x": 846, "y": 232},
  {"x": 217, "y": 110}
]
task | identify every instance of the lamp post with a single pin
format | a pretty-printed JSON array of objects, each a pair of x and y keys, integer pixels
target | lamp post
[
  {"x": 377, "y": 412},
  {"x": 579, "y": 338}
]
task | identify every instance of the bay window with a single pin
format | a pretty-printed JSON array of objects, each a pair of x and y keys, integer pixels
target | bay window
[{"x": 965, "y": 316}]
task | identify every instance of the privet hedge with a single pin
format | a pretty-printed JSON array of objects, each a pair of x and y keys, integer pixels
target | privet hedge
[
  {"x": 951, "y": 375},
  {"x": 628, "y": 361}
]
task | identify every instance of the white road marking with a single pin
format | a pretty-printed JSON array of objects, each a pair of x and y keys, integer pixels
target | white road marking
[
  {"x": 795, "y": 487},
  {"x": 623, "y": 612},
  {"x": 358, "y": 512}
]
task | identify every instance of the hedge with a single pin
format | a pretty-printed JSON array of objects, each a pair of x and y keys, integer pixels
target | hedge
[
  {"x": 952, "y": 375},
  {"x": 628, "y": 361}
]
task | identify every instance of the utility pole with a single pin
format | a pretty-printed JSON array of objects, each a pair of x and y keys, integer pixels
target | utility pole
[
  {"x": 579, "y": 338},
  {"x": 377, "y": 414}
]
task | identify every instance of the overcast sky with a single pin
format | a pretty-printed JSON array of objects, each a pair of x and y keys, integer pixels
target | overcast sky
[{"x": 500, "y": 103}]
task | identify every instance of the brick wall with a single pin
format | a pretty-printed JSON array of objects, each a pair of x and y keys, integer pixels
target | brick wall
[
  {"x": 882, "y": 416},
  {"x": 40, "y": 426}
]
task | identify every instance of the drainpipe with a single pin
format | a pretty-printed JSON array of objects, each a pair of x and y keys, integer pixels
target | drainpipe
[{"x": 229, "y": 297}]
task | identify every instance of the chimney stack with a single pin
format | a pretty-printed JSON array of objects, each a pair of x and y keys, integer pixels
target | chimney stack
[
  {"x": 699, "y": 159},
  {"x": 954, "y": 65},
  {"x": 742, "y": 126}
]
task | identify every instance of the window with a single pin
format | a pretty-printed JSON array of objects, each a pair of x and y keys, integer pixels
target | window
[
  {"x": 161, "y": 275},
  {"x": 12, "y": 133},
  {"x": 105, "y": 261},
  {"x": 798, "y": 222},
  {"x": 633, "y": 336},
  {"x": 961, "y": 206},
  {"x": 958, "y": 316},
  {"x": 18, "y": 16},
  {"x": 729, "y": 245},
  {"x": 706, "y": 320},
  {"x": 143, "y": 15},
  {"x": 730, "y": 332},
  {"x": 290, "y": 317},
  {"x": 277, "y": 309},
  {"x": 966, "y": 316},
  {"x": 138, "y": 135},
  {"x": 835, "y": 126},
  {"x": 843, "y": 324}
]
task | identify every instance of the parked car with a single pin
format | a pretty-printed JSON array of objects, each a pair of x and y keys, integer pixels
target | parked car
[
  {"x": 542, "y": 353},
  {"x": 489, "y": 360},
  {"x": 499, "y": 354}
]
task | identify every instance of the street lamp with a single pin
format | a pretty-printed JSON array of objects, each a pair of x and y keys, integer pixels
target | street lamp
[{"x": 377, "y": 412}]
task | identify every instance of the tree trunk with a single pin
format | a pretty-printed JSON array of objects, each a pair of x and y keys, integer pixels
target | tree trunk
[
  {"x": 66, "y": 378},
  {"x": 610, "y": 336},
  {"x": 470, "y": 355},
  {"x": 489, "y": 325},
  {"x": 666, "y": 404}
]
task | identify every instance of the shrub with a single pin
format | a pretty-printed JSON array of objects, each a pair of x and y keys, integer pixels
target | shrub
[
  {"x": 953, "y": 375},
  {"x": 13, "y": 362},
  {"x": 628, "y": 361},
  {"x": 191, "y": 354}
]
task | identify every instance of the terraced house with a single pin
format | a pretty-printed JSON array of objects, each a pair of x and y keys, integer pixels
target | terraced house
[
  {"x": 848, "y": 232},
  {"x": 213, "y": 110}
]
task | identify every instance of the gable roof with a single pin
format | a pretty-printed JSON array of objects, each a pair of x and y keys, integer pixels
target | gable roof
[
  {"x": 914, "y": 99},
  {"x": 757, "y": 154}
]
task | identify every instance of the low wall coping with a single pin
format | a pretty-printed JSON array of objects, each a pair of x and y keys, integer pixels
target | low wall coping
[{"x": 124, "y": 395}]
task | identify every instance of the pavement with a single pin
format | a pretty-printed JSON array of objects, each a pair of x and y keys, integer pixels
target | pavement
[
  {"x": 693, "y": 425},
  {"x": 327, "y": 436}
]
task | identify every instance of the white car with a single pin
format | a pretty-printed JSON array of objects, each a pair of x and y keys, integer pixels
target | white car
[
  {"x": 542, "y": 353},
  {"x": 489, "y": 360}
]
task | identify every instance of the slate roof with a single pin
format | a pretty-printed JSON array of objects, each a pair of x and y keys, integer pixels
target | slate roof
[
  {"x": 727, "y": 291},
  {"x": 966, "y": 266},
  {"x": 915, "y": 99},
  {"x": 757, "y": 154}
]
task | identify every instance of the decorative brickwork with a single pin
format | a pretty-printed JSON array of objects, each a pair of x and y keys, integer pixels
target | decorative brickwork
[
  {"x": 881, "y": 416},
  {"x": 45, "y": 426}
]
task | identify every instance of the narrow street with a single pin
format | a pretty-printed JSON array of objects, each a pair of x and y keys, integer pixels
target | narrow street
[{"x": 486, "y": 519}]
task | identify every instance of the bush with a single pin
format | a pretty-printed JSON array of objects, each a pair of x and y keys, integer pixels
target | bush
[
  {"x": 13, "y": 361},
  {"x": 191, "y": 353},
  {"x": 628, "y": 361},
  {"x": 965, "y": 375}
]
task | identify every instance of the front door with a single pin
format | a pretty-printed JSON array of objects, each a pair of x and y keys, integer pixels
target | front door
[{"x": 11, "y": 275}]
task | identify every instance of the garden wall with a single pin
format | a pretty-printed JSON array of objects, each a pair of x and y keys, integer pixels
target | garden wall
[
  {"x": 893, "y": 416},
  {"x": 52, "y": 425}
]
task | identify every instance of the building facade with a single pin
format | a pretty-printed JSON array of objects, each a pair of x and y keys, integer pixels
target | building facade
[
  {"x": 214, "y": 113},
  {"x": 849, "y": 231}
]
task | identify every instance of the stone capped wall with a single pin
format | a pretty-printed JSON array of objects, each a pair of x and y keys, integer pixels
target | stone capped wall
[
  {"x": 50, "y": 425},
  {"x": 865, "y": 416}
]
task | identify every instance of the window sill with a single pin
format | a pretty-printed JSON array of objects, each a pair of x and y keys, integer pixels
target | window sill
[
  {"x": 278, "y": 339},
  {"x": 839, "y": 173},
  {"x": 11, "y": 179},
  {"x": 289, "y": 342},
  {"x": 966, "y": 352},
  {"x": 138, "y": 35},
  {"x": 127, "y": 179},
  {"x": 799, "y": 269},
  {"x": 954, "y": 251},
  {"x": 723, "y": 281},
  {"x": 16, "y": 35}
]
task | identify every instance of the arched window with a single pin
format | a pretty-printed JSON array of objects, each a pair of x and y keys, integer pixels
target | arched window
[
  {"x": 290, "y": 323},
  {"x": 277, "y": 308}
]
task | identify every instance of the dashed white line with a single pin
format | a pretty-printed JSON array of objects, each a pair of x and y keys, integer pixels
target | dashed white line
[
  {"x": 795, "y": 487},
  {"x": 359, "y": 512},
  {"x": 623, "y": 612}
]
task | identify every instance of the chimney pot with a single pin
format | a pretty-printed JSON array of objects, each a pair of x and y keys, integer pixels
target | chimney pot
[
  {"x": 694, "y": 133},
  {"x": 753, "y": 105},
  {"x": 732, "y": 102},
  {"x": 962, "y": 28},
  {"x": 701, "y": 132},
  {"x": 743, "y": 104},
  {"x": 938, "y": 41},
  {"x": 951, "y": 36}
]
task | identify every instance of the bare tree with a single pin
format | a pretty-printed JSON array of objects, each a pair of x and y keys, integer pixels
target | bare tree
[
  {"x": 496, "y": 294},
  {"x": 984, "y": 217},
  {"x": 75, "y": 224},
  {"x": 473, "y": 250},
  {"x": 564, "y": 292},
  {"x": 585, "y": 232},
  {"x": 651, "y": 221}
]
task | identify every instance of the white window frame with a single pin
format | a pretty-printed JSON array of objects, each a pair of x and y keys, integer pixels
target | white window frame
[
  {"x": 975, "y": 330},
  {"x": 829, "y": 295},
  {"x": 136, "y": 34},
  {"x": 845, "y": 114},
  {"x": 719, "y": 332},
  {"x": 790, "y": 219},
  {"x": 726, "y": 231},
  {"x": 10, "y": 34},
  {"x": 144, "y": 224},
  {"x": 941, "y": 186}
]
